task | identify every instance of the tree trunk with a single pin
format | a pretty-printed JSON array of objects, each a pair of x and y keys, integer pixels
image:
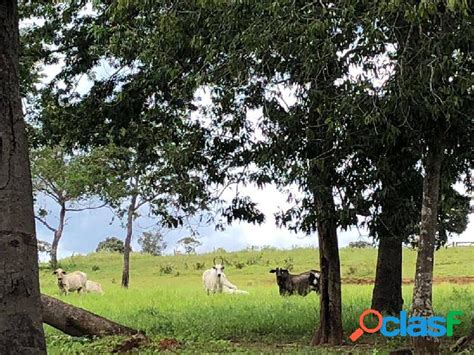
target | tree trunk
[
  {"x": 128, "y": 240},
  {"x": 387, "y": 294},
  {"x": 21, "y": 330},
  {"x": 57, "y": 236},
  {"x": 79, "y": 322},
  {"x": 330, "y": 327},
  {"x": 422, "y": 292}
]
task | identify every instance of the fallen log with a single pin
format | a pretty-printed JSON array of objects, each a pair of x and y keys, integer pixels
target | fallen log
[{"x": 76, "y": 321}]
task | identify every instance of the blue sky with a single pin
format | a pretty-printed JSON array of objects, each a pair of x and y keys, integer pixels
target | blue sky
[{"x": 84, "y": 230}]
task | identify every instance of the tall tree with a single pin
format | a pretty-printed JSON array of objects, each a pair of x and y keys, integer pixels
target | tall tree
[
  {"x": 171, "y": 193},
  {"x": 21, "y": 329},
  {"x": 302, "y": 143},
  {"x": 152, "y": 243},
  {"x": 396, "y": 199},
  {"x": 144, "y": 65},
  {"x": 189, "y": 244},
  {"x": 69, "y": 181},
  {"x": 428, "y": 98}
]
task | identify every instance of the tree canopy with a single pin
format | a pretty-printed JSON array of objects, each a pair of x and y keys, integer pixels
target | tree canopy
[{"x": 362, "y": 106}]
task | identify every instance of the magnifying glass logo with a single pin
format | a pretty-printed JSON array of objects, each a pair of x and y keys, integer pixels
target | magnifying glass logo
[{"x": 362, "y": 328}]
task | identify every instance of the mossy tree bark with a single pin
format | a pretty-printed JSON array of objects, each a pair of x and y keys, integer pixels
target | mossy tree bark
[
  {"x": 330, "y": 329},
  {"x": 423, "y": 291}
]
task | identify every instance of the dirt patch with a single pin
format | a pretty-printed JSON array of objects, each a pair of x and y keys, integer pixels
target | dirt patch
[{"x": 460, "y": 280}]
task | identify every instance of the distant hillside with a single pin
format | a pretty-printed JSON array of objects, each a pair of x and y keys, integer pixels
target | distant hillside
[{"x": 357, "y": 265}]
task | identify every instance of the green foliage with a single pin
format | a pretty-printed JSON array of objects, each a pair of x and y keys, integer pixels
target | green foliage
[
  {"x": 166, "y": 269},
  {"x": 143, "y": 71},
  {"x": 64, "y": 177},
  {"x": 239, "y": 265},
  {"x": 199, "y": 266},
  {"x": 43, "y": 246},
  {"x": 152, "y": 243},
  {"x": 111, "y": 245},
  {"x": 254, "y": 260}
]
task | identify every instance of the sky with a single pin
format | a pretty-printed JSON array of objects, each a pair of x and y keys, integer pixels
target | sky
[{"x": 84, "y": 230}]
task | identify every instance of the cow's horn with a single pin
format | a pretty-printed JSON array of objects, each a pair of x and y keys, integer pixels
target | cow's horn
[
  {"x": 222, "y": 260},
  {"x": 214, "y": 261}
]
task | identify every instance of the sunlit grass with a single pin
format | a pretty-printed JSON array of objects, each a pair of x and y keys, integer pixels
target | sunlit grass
[{"x": 176, "y": 306}]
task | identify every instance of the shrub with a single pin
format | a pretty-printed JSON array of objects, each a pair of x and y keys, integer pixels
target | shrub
[
  {"x": 360, "y": 244},
  {"x": 111, "y": 245},
  {"x": 352, "y": 270},
  {"x": 255, "y": 260},
  {"x": 239, "y": 265},
  {"x": 95, "y": 268},
  {"x": 166, "y": 269},
  {"x": 199, "y": 266}
]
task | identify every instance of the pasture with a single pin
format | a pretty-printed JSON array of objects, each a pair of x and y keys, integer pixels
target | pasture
[{"x": 166, "y": 299}]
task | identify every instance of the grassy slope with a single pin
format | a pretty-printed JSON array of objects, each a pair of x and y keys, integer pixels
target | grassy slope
[{"x": 175, "y": 305}]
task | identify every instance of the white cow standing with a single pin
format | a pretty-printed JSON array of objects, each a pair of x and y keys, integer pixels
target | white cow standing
[
  {"x": 215, "y": 280},
  {"x": 68, "y": 282}
]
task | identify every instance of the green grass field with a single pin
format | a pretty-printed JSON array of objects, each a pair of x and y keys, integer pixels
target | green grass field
[{"x": 166, "y": 299}]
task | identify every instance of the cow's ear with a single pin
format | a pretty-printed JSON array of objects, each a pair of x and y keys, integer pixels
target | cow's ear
[
  {"x": 54, "y": 272},
  {"x": 272, "y": 271},
  {"x": 223, "y": 267},
  {"x": 214, "y": 268}
]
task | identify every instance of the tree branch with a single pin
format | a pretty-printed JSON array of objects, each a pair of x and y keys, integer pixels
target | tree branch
[
  {"x": 145, "y": 201},
  {"x": 45, "y": 224},
  {"x": 85, "y": 208}
]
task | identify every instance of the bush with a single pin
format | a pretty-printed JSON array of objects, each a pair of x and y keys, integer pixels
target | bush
[
  {"x": 111, "y": 245},
  {"x": 95, "y": 268},
  {"x": 255, "y": 260},
  {"x": 199, "y": 266},
  {"x": 360, "y": 244},
  {"x": 166, "y": 269},
  {"x": 239, "y": 265}
]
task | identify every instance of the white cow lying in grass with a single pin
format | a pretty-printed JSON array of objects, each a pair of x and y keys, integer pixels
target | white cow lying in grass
[
  {"x": 215, "y": 280},
  {"x": 94, "y": 287}
]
